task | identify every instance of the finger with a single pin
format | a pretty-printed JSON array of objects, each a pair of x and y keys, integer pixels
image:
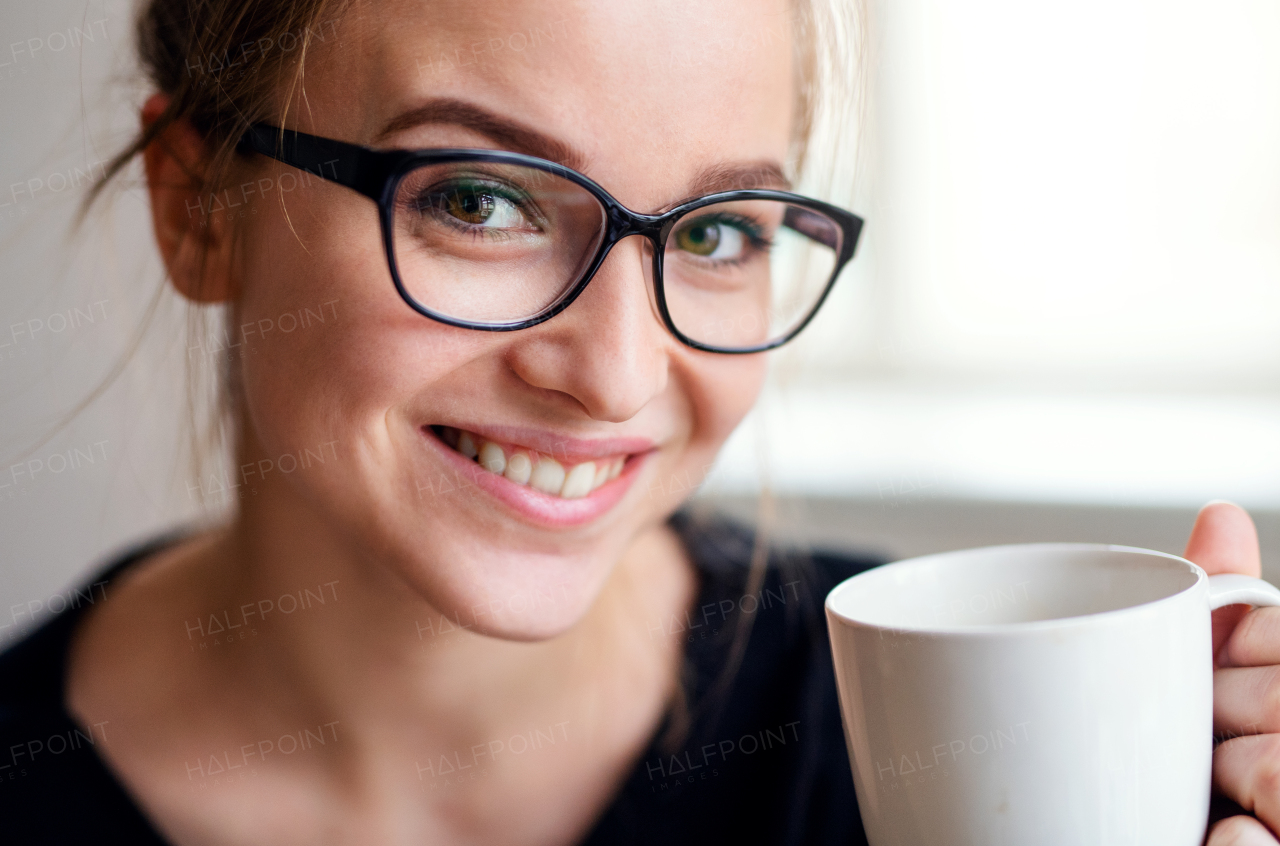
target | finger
[
  {"x": 1240, "y": 831},
  {"x": 1224, "y": 540},
  {"x": 1247, "y": 770},
  {"x": 1255, "y": 641},
  {"x": 1246, "y": 701}
]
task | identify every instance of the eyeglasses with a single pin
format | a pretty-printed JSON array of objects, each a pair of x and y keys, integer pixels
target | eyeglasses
[{"x": 501, "y": 241}]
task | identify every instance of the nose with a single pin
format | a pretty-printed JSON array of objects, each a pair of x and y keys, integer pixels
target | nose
[{"x": 608, "y": 350}]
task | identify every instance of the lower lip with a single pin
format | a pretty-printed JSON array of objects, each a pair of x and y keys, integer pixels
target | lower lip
[{"x": 531, "y": 504}]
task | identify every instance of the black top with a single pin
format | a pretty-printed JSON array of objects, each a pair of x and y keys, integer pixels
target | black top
[{"x": 753, "y": 756}]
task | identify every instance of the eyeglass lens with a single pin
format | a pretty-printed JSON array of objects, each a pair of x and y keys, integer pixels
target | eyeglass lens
[
  {"x": 747, "y": 272},
  {"x": 498, "y": 243}
]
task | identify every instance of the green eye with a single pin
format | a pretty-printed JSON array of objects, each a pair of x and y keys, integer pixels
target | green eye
[
  {"x": 720, "y": 237},
  {"x": 701, "y": 239}
]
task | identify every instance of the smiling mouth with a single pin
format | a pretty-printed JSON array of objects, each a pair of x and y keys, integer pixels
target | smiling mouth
[{"x": 528, "y": 467}]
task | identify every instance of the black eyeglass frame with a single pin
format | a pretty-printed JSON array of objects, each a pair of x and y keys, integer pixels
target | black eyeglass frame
[{"x": 377, "y": 174}]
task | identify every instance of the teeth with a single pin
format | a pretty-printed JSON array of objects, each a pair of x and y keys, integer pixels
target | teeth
[
  {"x": 578, "y": 483},
  {"x": 542, "y": 472},
  {"x": 519, "y": 468},
  {"x": 492, "y": 459},
  {"x": 548, "y": 476}
]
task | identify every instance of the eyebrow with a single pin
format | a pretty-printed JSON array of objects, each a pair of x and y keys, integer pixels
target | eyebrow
[
  {"x": 518, "y": 138},
  {"x": 734, "y": 176},
  {"x": 513, "y": 136}
]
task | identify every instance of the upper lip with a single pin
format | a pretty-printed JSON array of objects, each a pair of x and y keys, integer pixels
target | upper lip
[{"x": 564, "y": 448}]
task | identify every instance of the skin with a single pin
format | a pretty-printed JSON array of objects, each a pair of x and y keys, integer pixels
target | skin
[
  {"x": 581, "y": 662},
  {"x": 1246, "y": 682}
]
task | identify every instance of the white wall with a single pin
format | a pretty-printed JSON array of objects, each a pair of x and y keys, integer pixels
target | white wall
[
  {"x": 70, "y": 305},
  {"x": 1069, "y": 287}
]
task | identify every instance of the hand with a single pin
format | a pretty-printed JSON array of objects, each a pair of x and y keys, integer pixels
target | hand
[{"x": 1246, "y": 682}]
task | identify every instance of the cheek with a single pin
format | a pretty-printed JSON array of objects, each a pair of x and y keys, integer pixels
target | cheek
[
  {"x": 328, "y": 346},
  {"x": 722, "y": 390},
  {"x": 288, "y": 269},
  {"x": 736, "y": 387}
]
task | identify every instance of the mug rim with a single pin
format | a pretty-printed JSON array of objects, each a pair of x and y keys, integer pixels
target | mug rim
[{"x": 1026, "y": 626}]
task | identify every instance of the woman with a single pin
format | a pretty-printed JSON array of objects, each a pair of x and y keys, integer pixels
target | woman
[{"x": 453, "y": 467}]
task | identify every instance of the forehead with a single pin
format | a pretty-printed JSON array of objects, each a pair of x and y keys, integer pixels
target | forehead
[{"x": 651, "y": 84}]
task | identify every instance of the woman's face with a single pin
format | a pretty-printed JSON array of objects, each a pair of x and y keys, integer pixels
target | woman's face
[{"x": 657, "y": 101}]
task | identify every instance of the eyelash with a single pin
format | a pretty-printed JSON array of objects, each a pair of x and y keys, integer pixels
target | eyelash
[
  {"x": 751, "y": 230},
  {"x": 421, "y": 201}
]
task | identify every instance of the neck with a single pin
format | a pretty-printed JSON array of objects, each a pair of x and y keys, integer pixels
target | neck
[{"x": 340, "y": 637}]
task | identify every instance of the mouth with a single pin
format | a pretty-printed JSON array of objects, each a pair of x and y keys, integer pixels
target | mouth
[
  {"x": 527, "y": 467},
  {"x": 543, "y": 479}
]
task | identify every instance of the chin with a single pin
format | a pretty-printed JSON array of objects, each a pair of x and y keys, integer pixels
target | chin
[{"x": 512, "y": 594}]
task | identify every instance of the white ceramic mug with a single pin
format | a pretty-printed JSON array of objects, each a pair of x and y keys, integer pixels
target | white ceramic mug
[{"x": 1032, "y": 695}]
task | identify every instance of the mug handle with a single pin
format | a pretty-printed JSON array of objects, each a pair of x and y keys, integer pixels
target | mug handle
[{"x": 1232, "y": 588}]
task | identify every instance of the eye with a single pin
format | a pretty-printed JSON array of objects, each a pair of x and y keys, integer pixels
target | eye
[
  {"x": 479, "y": 205},
  {"x": 720, "y": 237}
]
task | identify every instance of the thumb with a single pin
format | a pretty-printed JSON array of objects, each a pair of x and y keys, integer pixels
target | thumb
[{"x": 1224, "y": 540}]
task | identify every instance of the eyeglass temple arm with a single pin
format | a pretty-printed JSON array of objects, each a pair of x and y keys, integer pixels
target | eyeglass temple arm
[
  {"x": 356, "y": 167},
  {"x": 823, "y": 229}
]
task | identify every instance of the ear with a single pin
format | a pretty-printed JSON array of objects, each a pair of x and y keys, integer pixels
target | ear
[{"x": 194, "y": 241}]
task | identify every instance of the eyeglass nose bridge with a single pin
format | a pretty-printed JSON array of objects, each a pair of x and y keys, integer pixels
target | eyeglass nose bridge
[{"x": 623, "y": 223}]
